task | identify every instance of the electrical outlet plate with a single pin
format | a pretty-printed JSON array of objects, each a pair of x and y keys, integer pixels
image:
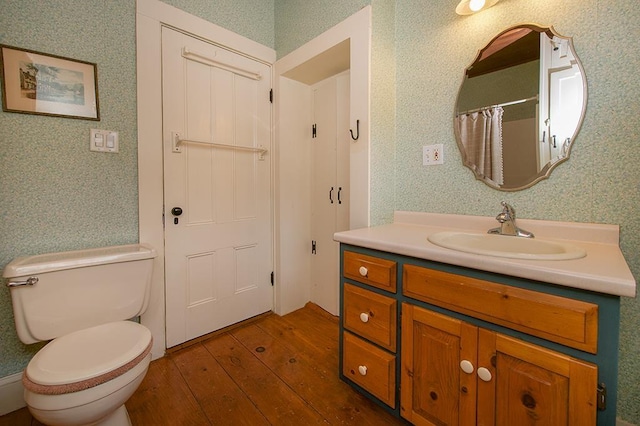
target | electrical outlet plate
[{"x": 432, "y": 154}]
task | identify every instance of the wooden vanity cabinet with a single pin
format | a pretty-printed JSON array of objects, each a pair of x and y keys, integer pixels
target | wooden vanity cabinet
[
  {"x": 369, "y": 319},
  {"x": 447, "y": 345},
  {"x": 455, "y": 373}
]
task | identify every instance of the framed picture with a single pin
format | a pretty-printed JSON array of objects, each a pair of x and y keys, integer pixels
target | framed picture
[{"x": 39, "y": 83}]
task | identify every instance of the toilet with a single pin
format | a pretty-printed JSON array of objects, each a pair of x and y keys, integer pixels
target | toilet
[{"x": 86, "y": 302}]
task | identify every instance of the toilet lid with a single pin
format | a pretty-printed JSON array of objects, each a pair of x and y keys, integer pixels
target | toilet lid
[{"x": 88, "y": 353}]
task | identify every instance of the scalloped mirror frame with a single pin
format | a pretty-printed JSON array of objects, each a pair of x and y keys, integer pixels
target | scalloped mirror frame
[{"x": 542, "y": 141}]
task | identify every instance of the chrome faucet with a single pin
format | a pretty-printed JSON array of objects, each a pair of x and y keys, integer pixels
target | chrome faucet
[{"x": 507, "y": 219}]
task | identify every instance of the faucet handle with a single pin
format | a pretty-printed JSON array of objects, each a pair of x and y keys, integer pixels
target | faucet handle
[{"x": 508, "y": 210}]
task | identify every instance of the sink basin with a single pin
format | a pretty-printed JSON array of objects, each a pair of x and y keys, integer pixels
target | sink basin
[{"x": 507, "y": 246}]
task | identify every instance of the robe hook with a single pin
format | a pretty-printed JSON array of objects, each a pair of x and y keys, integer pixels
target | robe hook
[{"x": 357, "y": 136}]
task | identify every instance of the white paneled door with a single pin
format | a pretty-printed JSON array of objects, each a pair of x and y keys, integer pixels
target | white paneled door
[
  {"x": 218, "y": 214},
  {"x": 329, "y": 187}
]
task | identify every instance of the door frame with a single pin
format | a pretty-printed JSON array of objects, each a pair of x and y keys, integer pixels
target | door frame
[
  {"x": 151, "y": 16},
  {"x": 292, "y": 158}
]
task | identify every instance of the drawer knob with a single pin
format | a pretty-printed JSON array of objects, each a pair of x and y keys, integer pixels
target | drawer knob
[
  {"x": 363, "y": 271},
  {"x": 484, "y": 374},
  {"x": 362, "y": 369},
  {"x": 364, "y": 317},
  {"x": 466, "y": 366}
]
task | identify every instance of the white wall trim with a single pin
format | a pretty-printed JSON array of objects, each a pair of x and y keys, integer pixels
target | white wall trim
[
  {"x": 357, "y": 29},
  {"x": 11, "y": 393},
  {"x": 292, "y": 161},
  {"x": 150, "y": 17},
  {"x": 169, "y": 15}
]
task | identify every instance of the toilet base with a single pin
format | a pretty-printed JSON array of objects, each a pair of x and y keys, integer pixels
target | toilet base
[{"x": 120, "y": 417}]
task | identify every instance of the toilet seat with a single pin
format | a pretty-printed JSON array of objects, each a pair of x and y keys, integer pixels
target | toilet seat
[{"x": 87, "y": 358}]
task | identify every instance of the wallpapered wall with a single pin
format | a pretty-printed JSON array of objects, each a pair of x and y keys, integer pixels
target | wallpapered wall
[
  {"x": 427, "y": 52},
  {"x": 601, "y": 181},
  {"x": 56, "y": 195}
]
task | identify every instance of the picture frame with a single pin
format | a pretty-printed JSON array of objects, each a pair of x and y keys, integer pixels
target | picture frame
[{"x": 41, "y": 83}]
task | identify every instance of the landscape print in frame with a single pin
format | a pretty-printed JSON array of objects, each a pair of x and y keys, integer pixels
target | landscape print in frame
[{"x": 40, "y": 83}]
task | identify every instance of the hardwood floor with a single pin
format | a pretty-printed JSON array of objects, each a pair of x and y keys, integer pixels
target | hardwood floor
[{"x": 273, "y": 371}]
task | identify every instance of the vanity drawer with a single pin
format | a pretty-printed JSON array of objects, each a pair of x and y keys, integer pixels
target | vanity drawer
[
  {"x": 370, "y": 270},
  {"x": 370, "y": 315},
  {"x": 566, "y": 321},
  {"x": 370, "y": 367}
]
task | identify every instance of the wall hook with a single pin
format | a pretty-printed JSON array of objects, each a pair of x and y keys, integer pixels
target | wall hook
[{"x": 355, "y": 138}]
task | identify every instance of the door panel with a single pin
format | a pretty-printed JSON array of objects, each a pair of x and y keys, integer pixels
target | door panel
[
  {"x": 330, "y": 186},
  {"x": 537, "y": 386},
  {"x": 435, "y": 391},
  {"x": 219, "y": 250}
]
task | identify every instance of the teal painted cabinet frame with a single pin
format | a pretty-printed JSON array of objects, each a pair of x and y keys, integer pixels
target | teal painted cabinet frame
[{"x": 606, "y": 357}]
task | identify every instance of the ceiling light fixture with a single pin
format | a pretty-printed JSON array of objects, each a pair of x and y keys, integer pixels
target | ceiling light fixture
[{"x": 468, "y": 7}]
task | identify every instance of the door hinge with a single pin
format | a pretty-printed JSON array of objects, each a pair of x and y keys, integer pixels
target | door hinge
[
  {"x": 271, "y": 95},
  {"x": 602, "y": 397},
  {"x": 313, "y": 246},
  {"x": 271, "y": 277},
  {"x": 313, "y": 131}
]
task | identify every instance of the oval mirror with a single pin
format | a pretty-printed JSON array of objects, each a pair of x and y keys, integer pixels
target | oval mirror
[{"x": 520, "y": 106}]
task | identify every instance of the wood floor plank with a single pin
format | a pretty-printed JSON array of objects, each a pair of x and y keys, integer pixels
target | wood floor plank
[
  {"x": 21, "y": 417},
  {"x": 164, "y": 398},
  {"x": 303, "y": 339},
  {"x": 312, "y": 327},
  {"x": 222, "y": 401},
  {"x": 321, "y": 388},
  {"x": 277, "y": 401}
]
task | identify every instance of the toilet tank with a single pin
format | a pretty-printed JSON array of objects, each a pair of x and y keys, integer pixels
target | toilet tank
[{"x": 78, "y": 289}]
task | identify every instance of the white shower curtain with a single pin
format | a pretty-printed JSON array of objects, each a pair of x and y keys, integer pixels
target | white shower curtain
[{"x": 481, "y": 136}]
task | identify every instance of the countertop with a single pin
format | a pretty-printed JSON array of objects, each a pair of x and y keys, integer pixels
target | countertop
[{"x": 603, "y": 270}]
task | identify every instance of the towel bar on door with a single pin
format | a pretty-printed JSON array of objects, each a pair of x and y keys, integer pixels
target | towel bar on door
[{"x": 177, "y": 142}]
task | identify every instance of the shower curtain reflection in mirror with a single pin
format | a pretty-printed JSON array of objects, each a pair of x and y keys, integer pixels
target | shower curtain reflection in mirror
[{"x": 480, "y": 133}]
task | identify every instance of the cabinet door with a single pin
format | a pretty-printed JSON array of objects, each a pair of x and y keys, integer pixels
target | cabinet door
[
  {"x": 533, "y": 385},
  {"x": 434, "y": 389}
]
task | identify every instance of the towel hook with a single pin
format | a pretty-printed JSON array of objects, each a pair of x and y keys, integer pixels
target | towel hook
[{"x": 357, "y": 136}]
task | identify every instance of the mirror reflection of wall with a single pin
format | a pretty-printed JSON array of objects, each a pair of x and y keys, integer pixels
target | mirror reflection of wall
[{"x": 533, "y": 75}]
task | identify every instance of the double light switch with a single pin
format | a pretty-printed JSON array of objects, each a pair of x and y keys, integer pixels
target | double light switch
[{"x": 103, "y": 141}]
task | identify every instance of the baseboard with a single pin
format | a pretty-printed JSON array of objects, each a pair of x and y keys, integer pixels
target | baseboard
[
  {"x": 620, "y": 422},
  {"x": 11, "y": 393}
]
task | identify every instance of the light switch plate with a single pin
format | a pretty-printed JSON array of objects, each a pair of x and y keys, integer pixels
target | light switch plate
[{"x": 104, "y": 141}]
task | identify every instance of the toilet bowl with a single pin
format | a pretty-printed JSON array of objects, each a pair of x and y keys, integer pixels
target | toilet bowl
[
  {"x": 78, "y": 378},
  {"x": 97, "y": 357}
]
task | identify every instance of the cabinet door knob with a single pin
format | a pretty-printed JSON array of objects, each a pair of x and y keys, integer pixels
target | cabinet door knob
[
  {"x": 466, "y": 366},
  {"x": 484, "y": 374},
  {"x": 364, "y": 317},
  {"x": 362, "y": 369},
  {"x": 363, "y": 271}
]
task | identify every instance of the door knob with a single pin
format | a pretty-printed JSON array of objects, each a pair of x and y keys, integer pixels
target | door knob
[{"x": 176, "y": 211}]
